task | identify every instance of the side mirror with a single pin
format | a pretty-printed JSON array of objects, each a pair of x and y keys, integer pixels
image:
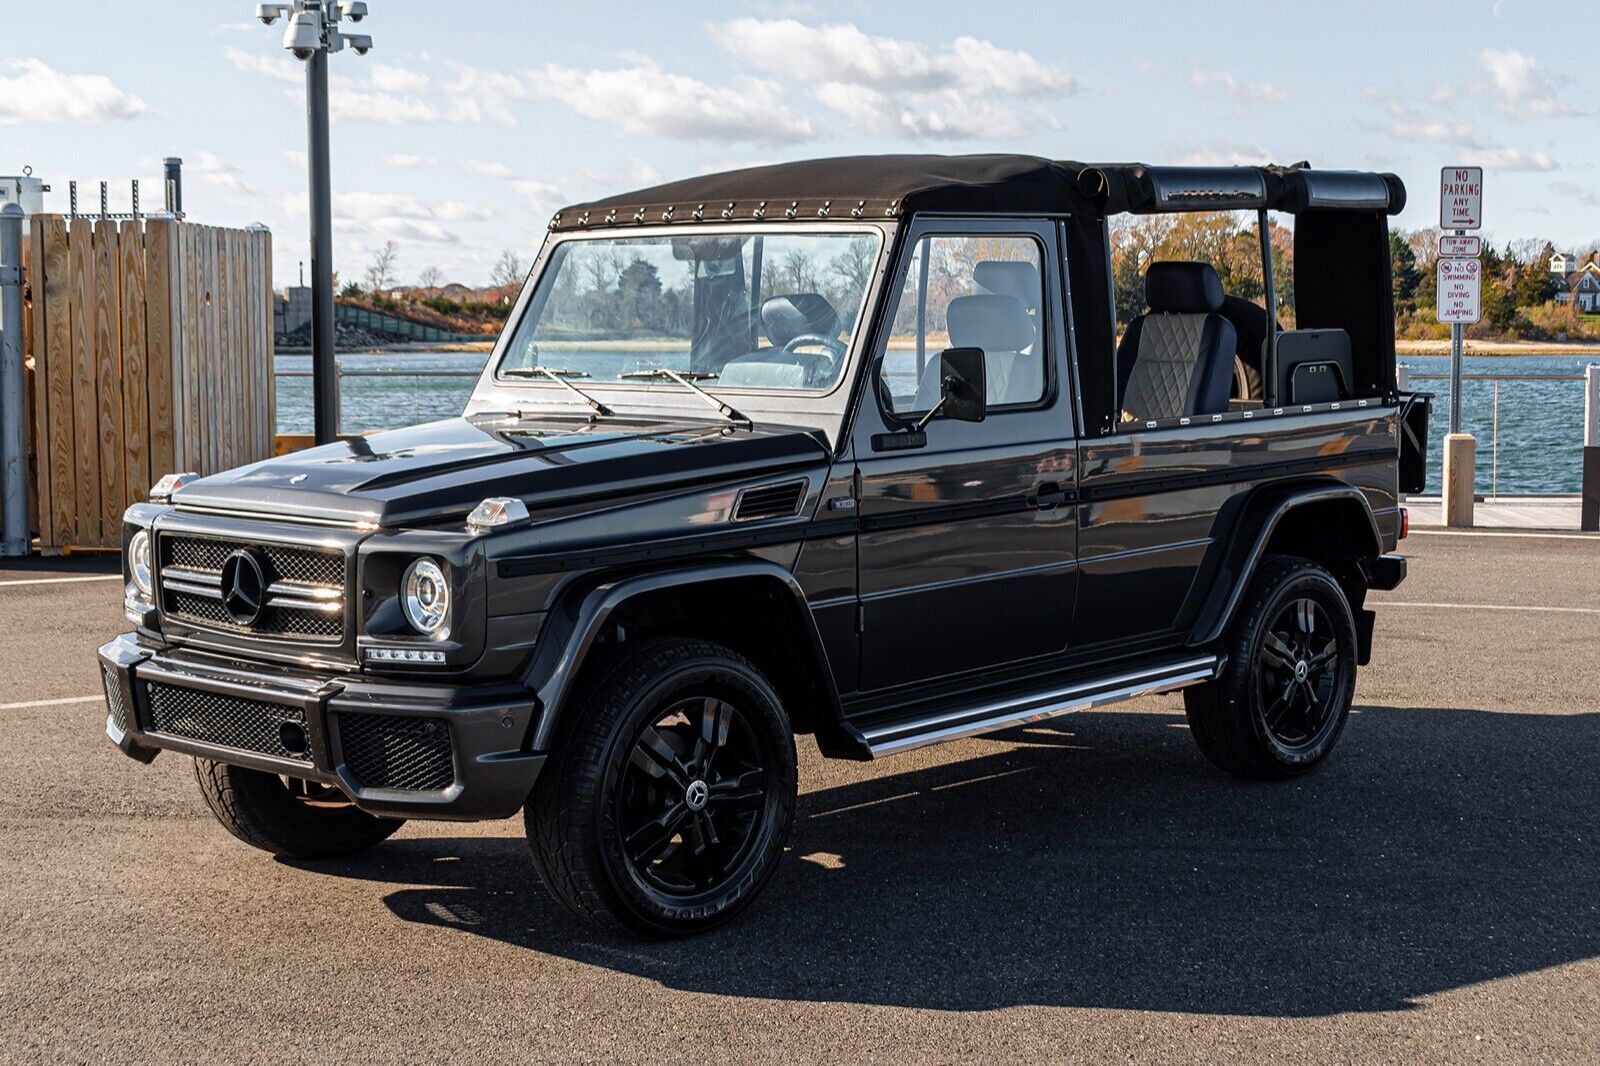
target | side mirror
[{"x": 963, "y": 391}]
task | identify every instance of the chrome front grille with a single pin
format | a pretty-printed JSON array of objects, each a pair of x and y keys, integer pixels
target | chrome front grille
[{"x": 304, "y": 597}]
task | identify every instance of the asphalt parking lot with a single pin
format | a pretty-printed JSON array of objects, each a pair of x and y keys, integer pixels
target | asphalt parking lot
[{"x": 1092, "y": 890}]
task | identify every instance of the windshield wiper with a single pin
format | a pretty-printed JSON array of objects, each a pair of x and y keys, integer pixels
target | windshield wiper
[
  {"x": 687, "y": 380},
  {"x": 559, "y": 375}
]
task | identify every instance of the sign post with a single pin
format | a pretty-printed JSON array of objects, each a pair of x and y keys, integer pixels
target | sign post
[{"x": 1460, "y": 303}]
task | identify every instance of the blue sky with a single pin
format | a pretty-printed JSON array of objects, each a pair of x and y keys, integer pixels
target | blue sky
[{"x": 469, "y": 124}]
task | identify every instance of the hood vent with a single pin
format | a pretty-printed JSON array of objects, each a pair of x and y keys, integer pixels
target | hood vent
[{"x": 770, "y": 501}]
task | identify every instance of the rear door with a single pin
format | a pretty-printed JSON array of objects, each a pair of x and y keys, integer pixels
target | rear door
[{"x": 967, "y": 545}]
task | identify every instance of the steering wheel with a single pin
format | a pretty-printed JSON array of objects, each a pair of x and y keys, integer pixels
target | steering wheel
[{"x": 835, "y": 348}]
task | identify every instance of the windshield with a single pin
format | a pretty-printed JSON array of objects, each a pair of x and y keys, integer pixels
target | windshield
[{"x": 752, "y": 311}]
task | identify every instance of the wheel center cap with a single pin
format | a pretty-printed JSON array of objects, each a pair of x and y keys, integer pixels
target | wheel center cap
[
  {"x": 1302, "y": 670},
  {"x": 695, "y": 796}
]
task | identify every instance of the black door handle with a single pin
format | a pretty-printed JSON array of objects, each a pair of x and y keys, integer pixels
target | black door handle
[{"x": 1047, "y": 495}]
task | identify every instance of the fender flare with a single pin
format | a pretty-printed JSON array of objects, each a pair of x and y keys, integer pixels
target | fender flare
[
  {"x": 1260, "y": 518},
  {"x": 580, "y": 616}
]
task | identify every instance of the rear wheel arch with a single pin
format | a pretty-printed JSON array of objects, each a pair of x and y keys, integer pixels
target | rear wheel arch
[
  {"x": 1329, "y": 523},
  {"x": 753, "y": 607}
]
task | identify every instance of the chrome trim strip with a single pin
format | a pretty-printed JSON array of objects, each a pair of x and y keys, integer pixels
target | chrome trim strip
[
  {"x": 294, "y": 603},
  {"x": 297, "y": 520},
  {"x": 212, "y": 589},
  {"x": 1023, "y": 710}
]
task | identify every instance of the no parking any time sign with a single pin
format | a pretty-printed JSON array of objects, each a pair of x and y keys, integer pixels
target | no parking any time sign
[{"x": 1461, "y": 198}]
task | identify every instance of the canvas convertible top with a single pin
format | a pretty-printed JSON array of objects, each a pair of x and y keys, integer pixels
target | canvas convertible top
[{"x": 892, "y": 186}]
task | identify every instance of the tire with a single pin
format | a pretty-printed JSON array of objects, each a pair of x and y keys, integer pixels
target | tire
[
  {"x": 1283, "y": 699},
  {"x": 290, "y": 818},
  {"x": 1246, "y": 381},
  {"x": 627, "y": 827}
]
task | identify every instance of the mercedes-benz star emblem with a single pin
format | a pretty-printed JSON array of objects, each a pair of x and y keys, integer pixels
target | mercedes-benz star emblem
[{"x": 244, "y": 587}]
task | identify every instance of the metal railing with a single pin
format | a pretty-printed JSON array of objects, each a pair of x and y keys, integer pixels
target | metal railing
[
  {"x": 343, "y": 373},
  {"x": 1496, "y": 379}
]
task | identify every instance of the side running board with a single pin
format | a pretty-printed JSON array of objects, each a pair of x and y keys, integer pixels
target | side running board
[{"x": 1034, "y": 707}]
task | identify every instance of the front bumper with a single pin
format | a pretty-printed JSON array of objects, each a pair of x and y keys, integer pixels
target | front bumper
[{"x": 396, "y": 748}]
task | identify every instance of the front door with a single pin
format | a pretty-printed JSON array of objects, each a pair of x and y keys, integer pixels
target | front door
[{"x": 967, "y": 545}]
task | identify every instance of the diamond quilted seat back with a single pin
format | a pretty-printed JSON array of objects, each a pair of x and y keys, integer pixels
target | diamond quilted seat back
[{"x": 1177, "y": 359}]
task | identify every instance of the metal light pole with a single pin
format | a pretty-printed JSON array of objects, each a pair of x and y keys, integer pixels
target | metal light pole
[{"x": 312, "y": 33}]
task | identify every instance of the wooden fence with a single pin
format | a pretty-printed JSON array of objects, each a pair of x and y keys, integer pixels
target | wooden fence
[{"x": 151, "y": 344}]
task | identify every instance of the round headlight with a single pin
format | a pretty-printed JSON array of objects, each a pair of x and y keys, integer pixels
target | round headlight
[
  {"x": 426, "y": 596},
  {"x": 139, "y": 560}
]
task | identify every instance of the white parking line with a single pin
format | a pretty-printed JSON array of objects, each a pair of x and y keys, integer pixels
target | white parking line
[
  {"x": 26, "y": 704},
  {"x": 1504, "y": 534},
  {"x": 1488, "y": 607},
  {"x": 61, "y": 580}
]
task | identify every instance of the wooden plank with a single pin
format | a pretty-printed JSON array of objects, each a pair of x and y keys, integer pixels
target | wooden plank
[
  {"x": 270, "y": 430},
  {"x": 284, "y": 443},
  {"x": 239, "y": 411},
  {"x": 209, "y": 347},
  {"x": 38, "y": 385},
  {"x": 158, "y": 343},
  {"x": 136, "y": 478},
  {"x": 56, "y": 352},
  {"x": 222, "y": 350},
  {"x": 108, "y": 383},
  {"x": 194, "y": 432},
  {"x": 85, "y": 413}
]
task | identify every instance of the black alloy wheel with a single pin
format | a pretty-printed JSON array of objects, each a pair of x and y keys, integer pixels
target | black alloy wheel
[
  {"x": 1284, "y": 695},
  {"x": 692, "y": 797},
  {"x": 1298, "y": 674},
  {"x": 666, "y": 803}
]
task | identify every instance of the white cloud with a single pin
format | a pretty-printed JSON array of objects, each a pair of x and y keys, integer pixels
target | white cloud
[
  {"x": 206, "y": 168},
  {"x": 1525, "y": 90},
  {"x": 40, "y": 93},
  {"x": 895, "y": 87},
  {"x": 279, "y": 67},
  {"x": 947, "y": 114},
  {"x": 1582, "y": 193},
  {"x": 296, "y": 158},
  {"x": 394, "y": 215},
  {"x": 646, "y": 99},
  {"x": 485, "y": 169},
  {"x": 1225, "y": 154},
  {"x": 406, "y": 161},
  {"x": 456, "y": 211},
  {"x": 1410, "y": 125},
  {"x": 478, "y": 96},
  {"x": 844, "y": 54},
  {"x": 388, "y": 78},
  {"x": 1235, "y": 88}
]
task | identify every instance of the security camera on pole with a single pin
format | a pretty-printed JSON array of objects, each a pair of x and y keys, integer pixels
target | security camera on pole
[
  {"x": 312, "y": 32},
  {"x": 1460, "y": 303}
]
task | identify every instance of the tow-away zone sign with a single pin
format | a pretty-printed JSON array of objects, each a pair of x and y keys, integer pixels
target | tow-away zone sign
[{"x": 1460, "y": 290}]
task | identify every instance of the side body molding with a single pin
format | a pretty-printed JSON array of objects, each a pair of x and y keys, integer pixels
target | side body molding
[
  {"x": 1263, "y": 512},
  {"x": 581, "y": 615}
]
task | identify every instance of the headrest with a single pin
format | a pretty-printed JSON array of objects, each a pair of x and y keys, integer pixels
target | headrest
[
  {"x": 1183, "y": 288},
  {"x": 788, "y": 317},
  {"x": 1005, "y": 277},
  {"x": 993, "y": 323}
]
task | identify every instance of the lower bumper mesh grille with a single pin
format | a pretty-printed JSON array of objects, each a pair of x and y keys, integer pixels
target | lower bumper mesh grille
[
  {"x": 390, "y": 751},
  {"x": 116, "y": 701},
  {"x": 229, "y": 721}
]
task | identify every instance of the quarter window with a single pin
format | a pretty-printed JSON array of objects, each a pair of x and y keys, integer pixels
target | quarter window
[{"x": 967, "y": 292}]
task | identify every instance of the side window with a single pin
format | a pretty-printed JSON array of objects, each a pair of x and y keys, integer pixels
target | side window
[{"x": 968, "y": 292}]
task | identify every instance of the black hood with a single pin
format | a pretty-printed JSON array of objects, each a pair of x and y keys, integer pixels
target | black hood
[{"x": 433, "y": 471}]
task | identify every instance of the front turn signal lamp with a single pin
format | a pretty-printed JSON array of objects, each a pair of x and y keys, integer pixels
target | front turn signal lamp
[
  {"x": 497, "y": 512},
  {"x": 161, "y": 491}
]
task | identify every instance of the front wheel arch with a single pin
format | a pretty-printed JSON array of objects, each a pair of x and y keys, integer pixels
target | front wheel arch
[{"x": 755, "y": 607}]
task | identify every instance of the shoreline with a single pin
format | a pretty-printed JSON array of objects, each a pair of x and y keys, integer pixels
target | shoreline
[{"x": 1501, "y": 348}]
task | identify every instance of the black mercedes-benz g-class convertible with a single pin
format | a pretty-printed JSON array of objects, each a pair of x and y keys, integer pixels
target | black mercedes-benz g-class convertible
[{"x": 850, "y": 448}]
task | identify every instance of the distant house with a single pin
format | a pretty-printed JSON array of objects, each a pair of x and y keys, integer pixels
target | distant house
[{"x": 1579, "y": 283}]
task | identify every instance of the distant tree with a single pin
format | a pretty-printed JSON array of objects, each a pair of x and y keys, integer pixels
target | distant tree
[
  {"x": 430, "y": 277},
  {"x": 380, "y": 271},
  {"x": 351, "y": 288},
  {"x": 1403, "y": 264},
  {"x": 507, "y": 270}
]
